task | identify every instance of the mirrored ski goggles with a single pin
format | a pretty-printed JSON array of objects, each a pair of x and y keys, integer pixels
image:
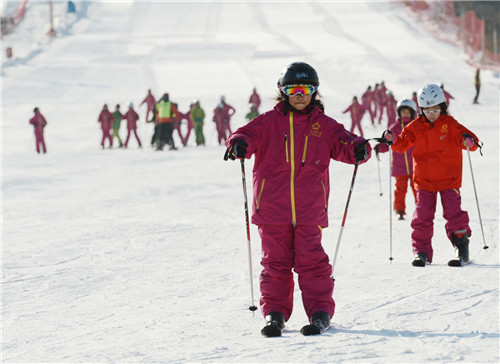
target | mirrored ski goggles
[{"x": 294, "y": 90}]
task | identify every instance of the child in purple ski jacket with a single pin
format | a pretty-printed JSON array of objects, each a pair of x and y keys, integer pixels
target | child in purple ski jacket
[
  {"x": 293, "y": 144},
  {"x": 39, "y": 123},
  {"x": 402, "y": 163}
]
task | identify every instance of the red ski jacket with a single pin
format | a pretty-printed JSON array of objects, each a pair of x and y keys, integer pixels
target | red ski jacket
[{"x": 437, "y": 152}]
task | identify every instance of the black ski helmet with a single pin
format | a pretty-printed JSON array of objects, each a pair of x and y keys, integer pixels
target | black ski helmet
[{"x": 298, "y": 73}]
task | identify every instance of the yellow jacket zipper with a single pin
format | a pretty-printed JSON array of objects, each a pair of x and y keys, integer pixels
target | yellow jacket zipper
[
  {"x": 304, "y": 154},
  {"x": 292, "y": 173},
  {"x": 324, "y": 194},
  {"x": 260, "y": 193},
  {"x": 286, "y": 148}
]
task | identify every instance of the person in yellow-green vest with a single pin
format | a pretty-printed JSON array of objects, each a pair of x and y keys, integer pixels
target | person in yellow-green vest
[{"x": 165, "y": 112}]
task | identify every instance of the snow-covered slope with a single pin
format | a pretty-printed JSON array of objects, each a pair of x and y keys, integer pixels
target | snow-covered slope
[{"x": 140, "y": 256}]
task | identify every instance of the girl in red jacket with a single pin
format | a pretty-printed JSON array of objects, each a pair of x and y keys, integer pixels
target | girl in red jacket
[
  {"x": 293, "y": 145},
  {"x": 39, "y": 122},
  {"x": 438, "y": 141}
]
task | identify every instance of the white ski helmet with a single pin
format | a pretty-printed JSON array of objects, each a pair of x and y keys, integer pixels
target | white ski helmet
[
  {"x": 406, "y": 103},
  {"x": 430, "y": 95}
]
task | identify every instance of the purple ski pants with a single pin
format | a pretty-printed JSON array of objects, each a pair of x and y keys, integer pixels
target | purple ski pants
[
  {"x": 423, "y": 218},
  {"x": 285, "y": 248}
]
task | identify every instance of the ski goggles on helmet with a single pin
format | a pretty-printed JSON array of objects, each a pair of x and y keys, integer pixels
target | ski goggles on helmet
[{"x": 294, "y": 90}]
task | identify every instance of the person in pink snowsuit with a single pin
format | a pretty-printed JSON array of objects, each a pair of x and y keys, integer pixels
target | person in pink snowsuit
[
  {"x": 390, "y": 108},
  {"x": 447, "y": 95},
  {"x": 357, "y": 111},
  {"x": 402, "y": 163},
  {"x": 222, "y": 117},
  {"x": 382, "y": 101},
  {"x": 414, "y": 99},
  {"x": 189, "y": 122},
  {"x": 106, "y": 119},
  {"x": 38, "y": 121},
  {"x": 367, "y": 100},
  {"x": 293, "y": 144},
  {"x": 150, "y": 103},
  {"x": 218, "y": 119},
  {"x": 131, "y": 117},
  {"x": 376, "y": 99},
  {"x": 254, "y": 99},
  {"x": 227, "y": 112},
  {"x": 178, "y": 117}
]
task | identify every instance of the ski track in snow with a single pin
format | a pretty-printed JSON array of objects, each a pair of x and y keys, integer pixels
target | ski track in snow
[{"x": 138, "y": 256}]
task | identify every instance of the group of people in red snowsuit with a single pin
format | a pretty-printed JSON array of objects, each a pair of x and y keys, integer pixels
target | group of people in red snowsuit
[
  {"x": 374, "y": 102},
  {"x": 110, "y": 121}
]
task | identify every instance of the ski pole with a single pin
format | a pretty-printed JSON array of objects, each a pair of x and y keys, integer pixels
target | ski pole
[
  {"x": 389, "y": 143},
  {"x": 477, "y": 201},
  {"x": 345, "y": 215},
  {"x": 252, "y": 307},
  {"x": 378, "y": 169},
  {"x": 390, "y": 206}
]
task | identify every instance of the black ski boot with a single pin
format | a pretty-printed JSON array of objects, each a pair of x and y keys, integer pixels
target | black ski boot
[
  {"x": 401, "y": 215},
  {"x": 461, "y": 243},
  {"x": 275, "y": 322},
  {"x": 420, "y": 260},
  {"x": 320, "y": 321}
]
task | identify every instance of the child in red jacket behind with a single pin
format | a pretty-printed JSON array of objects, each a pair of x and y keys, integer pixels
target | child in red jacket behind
[
  {"x": 293, "y": 145},
  {"x": 438, "y": 141}
]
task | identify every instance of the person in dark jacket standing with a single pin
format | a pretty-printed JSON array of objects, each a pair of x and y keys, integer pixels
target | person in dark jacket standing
[
  {"x": 293, "y": 144},
  {"x": 477, "y": 84},
  {"x": 38, "y": 121}
]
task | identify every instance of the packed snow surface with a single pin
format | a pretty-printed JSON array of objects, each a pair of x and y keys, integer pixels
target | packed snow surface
[{"x": 133, "y": 255}]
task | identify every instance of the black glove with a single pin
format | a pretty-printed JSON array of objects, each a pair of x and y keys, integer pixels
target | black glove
[
  {"x": 361, "y": 152},
  {"x": 237, "y": 149},
  {"x": 388, "y": 138}
]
